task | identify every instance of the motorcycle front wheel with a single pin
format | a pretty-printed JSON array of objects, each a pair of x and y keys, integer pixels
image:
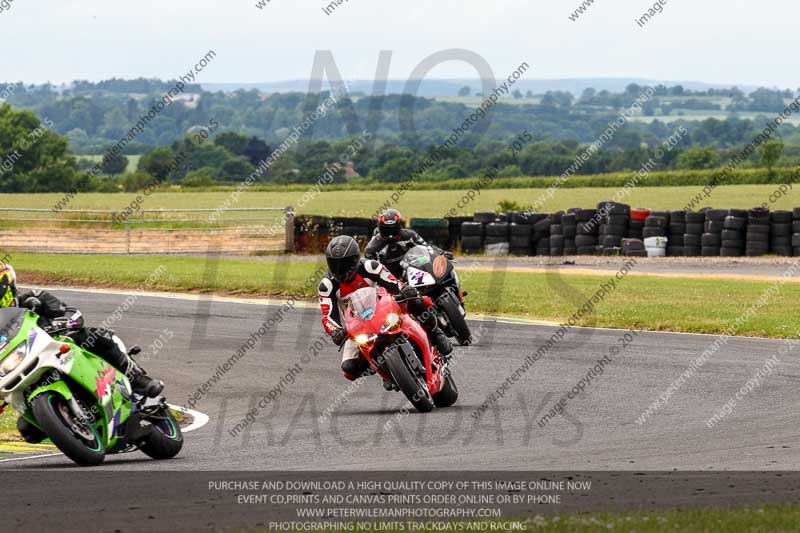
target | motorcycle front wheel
[
  {"x": 76, "y": 439},
  {"x": 453, "y": 311},
  {"x": 412, "y": 385}
]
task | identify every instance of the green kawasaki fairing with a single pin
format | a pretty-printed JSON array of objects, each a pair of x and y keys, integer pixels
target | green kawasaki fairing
[
  {"x": 106, "y": 387},
  {"x": 74, "y": 397}
]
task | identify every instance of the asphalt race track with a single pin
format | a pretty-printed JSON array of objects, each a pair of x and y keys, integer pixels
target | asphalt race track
[{"x": 368, "y": 430}]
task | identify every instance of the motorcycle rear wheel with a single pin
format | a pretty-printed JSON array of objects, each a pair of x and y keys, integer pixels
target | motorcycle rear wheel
[
  {"x": 77, "y": 440},
  {"x": 448, "y": 394},
  {"x": 166, "y": 439},
  {"x": 414, "y": 388}
]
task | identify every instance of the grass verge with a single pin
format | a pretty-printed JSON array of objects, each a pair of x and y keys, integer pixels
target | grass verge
[
  {"x": 8, "y": 425},
  {"x": 698, "y": 305}
]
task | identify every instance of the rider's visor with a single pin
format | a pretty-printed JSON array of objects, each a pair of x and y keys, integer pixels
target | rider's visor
[{"x": 12, "y": 360}]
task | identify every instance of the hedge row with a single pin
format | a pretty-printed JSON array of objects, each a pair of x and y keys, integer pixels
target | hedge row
[{"x": 675, "y": 178}]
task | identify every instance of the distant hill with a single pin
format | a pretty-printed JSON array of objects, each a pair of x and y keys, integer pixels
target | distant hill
[{"x": 431, "y": 88}]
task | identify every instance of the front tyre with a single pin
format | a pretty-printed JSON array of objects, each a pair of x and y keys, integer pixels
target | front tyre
[
  {"x": 414, "y": 387},
  {"x": 76, "y": 439},
  {"x": 166, "y": 438},
  {"x": 452, "y": 309}
]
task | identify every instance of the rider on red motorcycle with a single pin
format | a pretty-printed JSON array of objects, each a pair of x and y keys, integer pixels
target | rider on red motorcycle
[{"x": 347, "y": 273}]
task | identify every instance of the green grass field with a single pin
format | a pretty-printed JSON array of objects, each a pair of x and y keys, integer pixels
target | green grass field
[
  {"x": 421, "y": 203},
  {"x": 689, "y": 304}
]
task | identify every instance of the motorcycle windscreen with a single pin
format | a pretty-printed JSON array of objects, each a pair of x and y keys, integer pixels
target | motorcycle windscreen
[
  {"x": 11, "y": 320},
  {"x": 417, "y": 256},
  {"x": 361, "y": 303}
]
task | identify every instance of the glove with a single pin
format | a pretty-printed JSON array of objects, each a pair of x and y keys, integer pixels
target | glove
[
  {"x": 338, "y": 336},
  {"x": 32, "y": 303},
  {"x": 407, "y": 293}
]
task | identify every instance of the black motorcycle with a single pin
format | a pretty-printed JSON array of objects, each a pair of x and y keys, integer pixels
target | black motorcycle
[{"x": 431, "y": 272}]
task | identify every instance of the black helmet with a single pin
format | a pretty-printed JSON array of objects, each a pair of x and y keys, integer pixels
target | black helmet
[
  {"x": 390, "y": 223},
  {"x": 343, "y": 258}
]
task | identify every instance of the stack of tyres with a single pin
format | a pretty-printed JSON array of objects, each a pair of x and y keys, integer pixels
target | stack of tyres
[
  {"x": 656, "y": 246},
  {"x": 540, "y": 238},
  {"x": 454, "y": 227},
  {"x": 435, "y": 231},
  {"x": 636, "y": 224},
  {"x": 655, "y": 233},
  {"x": 569, "y": 227},
  {"x": 497, "y": 238},
  {"x": 796, "y": 232},
  {"x": 712, "y": 238},
  {"x": 613, "y": 226},
  {"x": 521, "y": 238},
  {"x": 633, "y": 248},
  {"x": 556, "y": 234},
  {"x": 472, "y": 234},
  {"x": 693, "y": 235},
  {"x": 732, "y": 238},
  {"x": 757, "y": 235},
  {"x": 677, "y": 231},
  {"x": 484, "y": 217},
  {"x": 587, "y": 229},
  {"x": 781, "y": 230},
  {"x": 522, "y": 231}
]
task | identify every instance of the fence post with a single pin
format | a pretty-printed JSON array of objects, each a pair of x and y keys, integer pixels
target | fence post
[
  {"x": 288, "y": 215},
  {"x": 128, "y": 231}
]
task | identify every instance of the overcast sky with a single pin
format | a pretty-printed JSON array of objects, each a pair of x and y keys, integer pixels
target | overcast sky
[{"x": 731, "y": 41}]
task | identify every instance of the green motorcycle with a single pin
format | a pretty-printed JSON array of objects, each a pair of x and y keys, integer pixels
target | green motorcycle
[{"x": 82, "y": 404}]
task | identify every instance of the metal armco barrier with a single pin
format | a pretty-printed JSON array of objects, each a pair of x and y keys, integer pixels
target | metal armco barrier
[{"x": 163, "y": 231}]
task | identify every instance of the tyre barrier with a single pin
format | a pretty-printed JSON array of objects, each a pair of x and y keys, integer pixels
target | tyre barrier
[
  {"x": 796, "y": 232},
  {"x": 611, "y": 228}
]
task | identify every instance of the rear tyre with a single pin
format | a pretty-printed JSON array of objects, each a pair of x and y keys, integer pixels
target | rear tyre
[
  {"x": 452, "y": 310},
  {"x": 448, "y": 394},
  {"x": 414, "y": 388},
  {"x": 77, "y": 440},
  {"x": 166, "y": 439}
]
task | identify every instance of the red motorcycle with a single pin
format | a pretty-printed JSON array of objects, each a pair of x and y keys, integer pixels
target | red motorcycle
[{"x": 397, "y": 348}]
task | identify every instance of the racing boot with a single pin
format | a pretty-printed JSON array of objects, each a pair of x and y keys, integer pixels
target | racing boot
[
  {"x": 440, "y": 340},
  {"x": 141, "y": 383}
]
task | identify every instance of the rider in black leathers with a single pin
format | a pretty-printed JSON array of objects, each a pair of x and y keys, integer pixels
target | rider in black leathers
[{"x": 391, "y": 241}]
